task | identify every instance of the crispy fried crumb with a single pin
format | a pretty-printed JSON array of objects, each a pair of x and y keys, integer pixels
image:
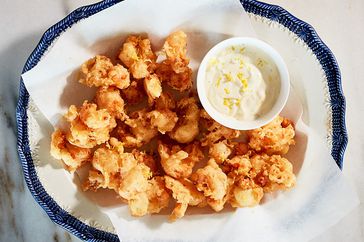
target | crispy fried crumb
[
  {"x": 72, "y": 156},
  {"x": 99, "y": 71},
  {"x": 138, "y": 56},
  {"x": 187, "y": 127},
  {"x": 273, "y": 138}
]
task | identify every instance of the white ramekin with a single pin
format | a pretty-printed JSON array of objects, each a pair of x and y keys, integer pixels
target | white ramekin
[{"x": 281, "y": 99}]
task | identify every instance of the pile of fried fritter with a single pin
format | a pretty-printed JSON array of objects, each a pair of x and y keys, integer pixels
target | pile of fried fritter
[{"x": 149, "y": 156}]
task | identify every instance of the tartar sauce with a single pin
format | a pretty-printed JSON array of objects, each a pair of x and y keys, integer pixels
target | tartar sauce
[{"x": 242, "y": 82}]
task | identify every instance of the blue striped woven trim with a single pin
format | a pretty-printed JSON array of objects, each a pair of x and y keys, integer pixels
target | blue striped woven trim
[{"x": 276, "y": 13}]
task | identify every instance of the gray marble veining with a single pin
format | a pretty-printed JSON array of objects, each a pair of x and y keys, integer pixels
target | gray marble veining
[{"x": 21, "y": 218}]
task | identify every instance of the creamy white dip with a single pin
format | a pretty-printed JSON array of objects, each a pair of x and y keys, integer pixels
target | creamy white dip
[{"x": 242, "y": 82}]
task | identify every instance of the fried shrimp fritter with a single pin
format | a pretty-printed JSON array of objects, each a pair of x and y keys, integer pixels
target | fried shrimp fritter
[
  {"x": 184, "y": 168},
  {"x": 99, "y": 71},
  {"x": 220, "y": 151},
  {"x": 175, "y": 49},
  {"x": 134, "y": 93},
  {"x": 146, "y": 159},
  {"x": 88, "y": 126},
  {"x": 194, "y": 151},
  {"x": 185, "y": 193},
  {"x": 240, "y": 148},
  {"x": 197, "y": 197},
  {"x": 256, "y": 175},
  {"x": 139, "y": 204},
  {"x": 174, "y": 161},
  {"x": 158, "y": 195},
  {"x": 138, "y": 56},
  {"x": 164, "y": 120},
  {"x": 245, "y": 193},
  {"x": 174, "y": 70},
  {"x": 123, "y": 132},
  {"x": 72, "y": 156},
  {"x": 238, "y": 166},
  {"x": 133, "y": 187},
  {"x": 218, "y": 204},
  {"x": 181, "y": 81},
  {"x": 273, "y": 138},
  {"x": 165, "y": 101},
  {"x": 177, "y": 162},
  {"x": 216, "y": 131},
  {"x": 214, "y": 184},
  {"x": 109, "y": 164},
  {"x": 211, "y": 180},
  {"x": 272, "y": 172},
  {"x": 106, "y": 162},
  {"x": 135, "y": 181},
  {"x": 187, "y": 127},
  {"x": 152, "y": 87},
  {"x": 140, "y": 128},
  {"x": 250, "y": 197},
  {"x": 109, "y": 98},
  {"x": 93, "y": 118}
]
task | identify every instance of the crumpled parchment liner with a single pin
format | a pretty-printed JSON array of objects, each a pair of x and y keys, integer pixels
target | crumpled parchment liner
[{"x": 321, "y": 196}]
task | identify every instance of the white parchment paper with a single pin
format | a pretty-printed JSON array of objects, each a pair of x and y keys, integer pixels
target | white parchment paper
[{"x": 321, "y": 197}]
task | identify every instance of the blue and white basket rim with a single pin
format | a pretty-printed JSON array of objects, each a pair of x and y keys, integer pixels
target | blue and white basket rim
[{"x": 276, "y": 13}]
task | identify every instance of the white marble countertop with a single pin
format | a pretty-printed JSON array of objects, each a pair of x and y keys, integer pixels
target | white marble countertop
[{"x": 339, "y": 24}]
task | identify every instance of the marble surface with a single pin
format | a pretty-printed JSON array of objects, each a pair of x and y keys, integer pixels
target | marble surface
[{"x": 22, "y": 24}]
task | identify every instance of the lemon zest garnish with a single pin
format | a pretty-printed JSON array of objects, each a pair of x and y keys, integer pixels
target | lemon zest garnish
[
  {"x": 240, "y": 75},
  {"x": 233, "y": 48},
  {"x": 242, "y": 49},
  {"x": 244, "y": 89},
  {"x": 241, "y": 64},
  {"x": 218, "y": 81},
  {"x": 228, "y": 103},
  {"x": 228, "y": 77},
  {"x": 227, "y": 91},
  {"x": 213, "y": 61},
  {"x": 243, "y": 81}
]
